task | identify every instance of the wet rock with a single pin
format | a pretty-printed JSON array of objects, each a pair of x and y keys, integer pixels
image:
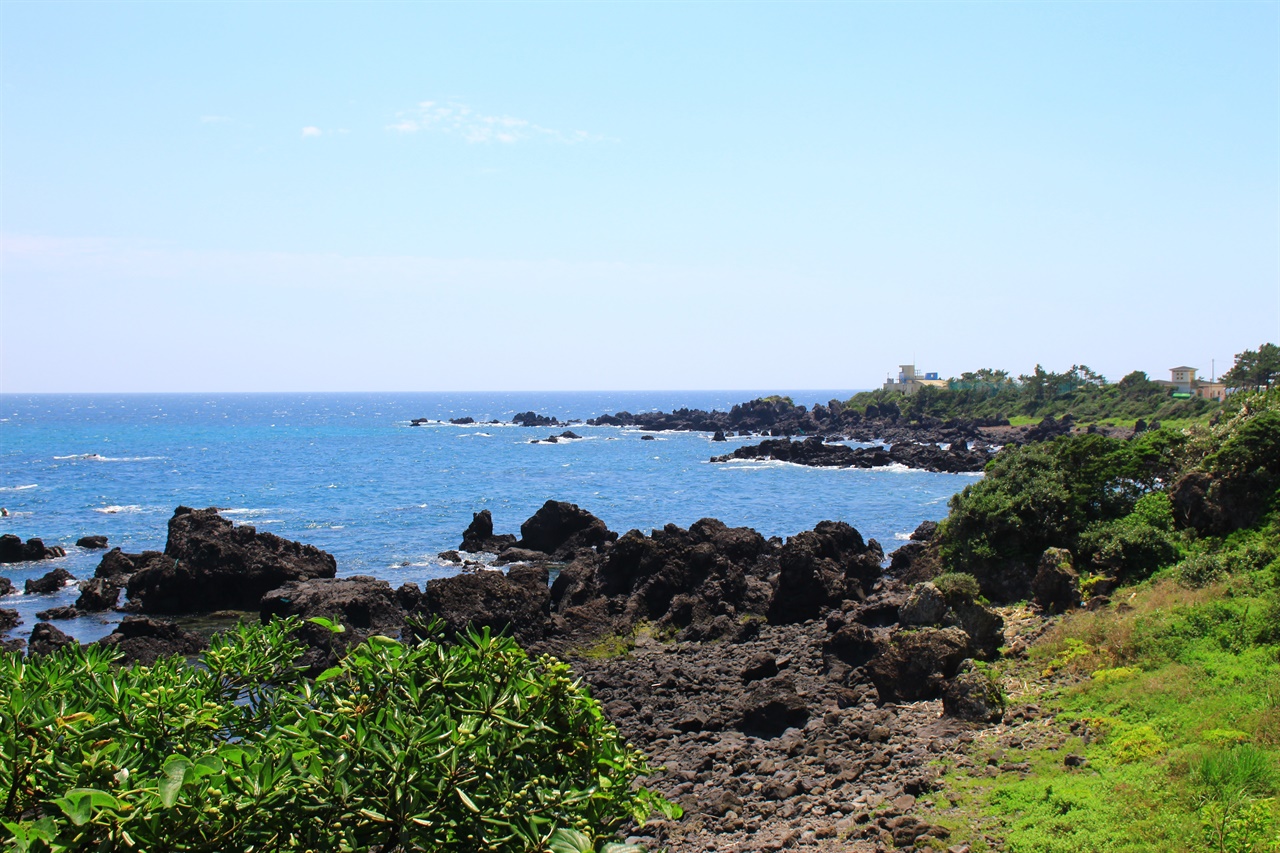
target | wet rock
[
  {"x": 918, "y": 664},
  {"x": 93, "y": 542},
  {"x": 1056, "y": 585},
  {"x": 14, "y": 550},
  {"x": 479, "y": 538},
  {"x": 97, "y": 594},
  {"x": 9, "y": 619},
  {"x": 58, "y": 613},
  {"x": 49, "y": 583},
  {"x": 46, "y": 639},
  {"x": 925, "y": 531},
  {"x": 144, "y": 640},
  {"x": 6, "y": 586},
  {"x": 214, "y": 565}
]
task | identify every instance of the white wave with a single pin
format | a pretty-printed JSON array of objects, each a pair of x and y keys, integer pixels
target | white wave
[
  {"x": 17, "y": 488},
  {"x": 115, "y": 508},
  {"x": 96, "y": 458},
  {"x": 902, "y": 536},
  {"x": 248, "y": 513}
]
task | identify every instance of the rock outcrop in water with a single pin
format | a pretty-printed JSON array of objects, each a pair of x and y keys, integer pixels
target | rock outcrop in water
[
  {"x": 14, "y": 550},
  {"x": 211, "y": 564},
  {"x": 815, "y": 452}
]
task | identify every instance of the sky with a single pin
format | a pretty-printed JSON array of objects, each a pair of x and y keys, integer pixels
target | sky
[{"x": 575, "y": 196}]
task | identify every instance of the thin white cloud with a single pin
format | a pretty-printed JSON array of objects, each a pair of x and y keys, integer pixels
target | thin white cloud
[
  {"x": 312, "y": 130},
  {"x": 461, "y": 120}
]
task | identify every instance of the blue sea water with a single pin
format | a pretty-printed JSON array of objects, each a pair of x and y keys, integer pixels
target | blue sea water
[{"x": 350, "y": 474}]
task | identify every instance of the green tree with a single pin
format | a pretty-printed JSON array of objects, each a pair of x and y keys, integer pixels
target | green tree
[{"x": 1255, "y": 369}]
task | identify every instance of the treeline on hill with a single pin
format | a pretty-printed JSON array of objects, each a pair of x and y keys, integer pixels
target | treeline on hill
[
  {"x": 1172, "y": 677},
  {"x": 1079, "y": 392}
]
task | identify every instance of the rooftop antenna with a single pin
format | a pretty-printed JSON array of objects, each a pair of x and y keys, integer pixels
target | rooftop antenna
[{"x": 1213, "y": 370}]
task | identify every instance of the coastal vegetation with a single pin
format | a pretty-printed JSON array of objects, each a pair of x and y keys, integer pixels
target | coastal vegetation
[
  {"x": 1163, "y": 701},
  {"x": 1079, "y": 392},
  {"x": 467, "y": 746}
]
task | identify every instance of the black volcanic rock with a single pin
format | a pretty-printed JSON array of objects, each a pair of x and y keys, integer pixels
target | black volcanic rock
[
  {"x": 918, "y": 664},
  {"x": 533, "y": 419},
  {"x": 815, "y": 452},
  {"x": 65, "y": 612},
  {"x": 49, "y": 583},
  {"x": 478, "y": 537},
  {"x": 46, "y": 639},
  {"x": 144, "y": 640},
  {"x": 214, "y": 565},
  {"x": 560, "y": 528},
  {"x": 518, "y": 602},
  {"x": 675, "y": 577},
  {"x": 6, "y": 586},
  {"x": 363, "y": 605},
  {"x": 822, "y": 567},
  {"x": 93, "y": 542},
  {"x": 14, "y": 550},
  {"x": 9, "y": 619},
  {"x": 98, "y": 594}
]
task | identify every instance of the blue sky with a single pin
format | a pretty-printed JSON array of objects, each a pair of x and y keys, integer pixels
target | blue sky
[{"x": 413, "y": 196}]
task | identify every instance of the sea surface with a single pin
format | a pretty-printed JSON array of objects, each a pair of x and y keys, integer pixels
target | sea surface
[{"x": 350, "y": 474}]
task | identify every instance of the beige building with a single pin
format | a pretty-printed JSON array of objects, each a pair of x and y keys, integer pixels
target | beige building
[
  {"x": 909, "y": 382},
  {"x": 1183, "y": 381}
]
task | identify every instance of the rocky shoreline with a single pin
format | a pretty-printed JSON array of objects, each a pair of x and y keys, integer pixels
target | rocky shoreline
[{"x": 793, "y": 692}]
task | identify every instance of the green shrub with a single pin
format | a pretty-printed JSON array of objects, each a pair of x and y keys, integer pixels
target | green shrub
[
  {"x": 466, "y": 747},
  {"x": 1200, "y": 570},
  {"x": 957, "y": 587}
]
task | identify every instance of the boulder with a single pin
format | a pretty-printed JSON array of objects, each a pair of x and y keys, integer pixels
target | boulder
[
  {"x": 9, "y": 619},
  {"x": 758, "y": 666},
  {"x": 853, "y": 644},
  {"x": 214, "y": 565},
  {"x": 49, "y": 583},
  {"x": 1056, "y": 585},
  {"x": 924, "y": 606},
  {"x": 97, "y": 594},
  {"x": 560, "y": 528},
  {"x": 973, "y": 695},
  {"x": 92, "y": 542},
  {"x": 116, "y": 566},
  {"x": 6, "y": 586},
  {"x": 58, "y": 613},
  {"x": 144, "y": 640},
  {"x": 13, "y": 550},
  {"x": 518, "y": 602},
  {"x": 479, "y": 538},
  {"x": 768, "y": 708},
  {"x": 520, "y": 555},
  {"x": 361, "y": 603},
  {"x": 820, "y": 568},
  {"x": 925, "y": 531},
  {"x": 46, "y": 639},
  {"x": 984, "y": 626},
  {"x": 918, "y": 664}
]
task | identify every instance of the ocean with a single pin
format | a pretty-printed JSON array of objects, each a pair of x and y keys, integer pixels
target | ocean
[{"x": 350, "y": 474}]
